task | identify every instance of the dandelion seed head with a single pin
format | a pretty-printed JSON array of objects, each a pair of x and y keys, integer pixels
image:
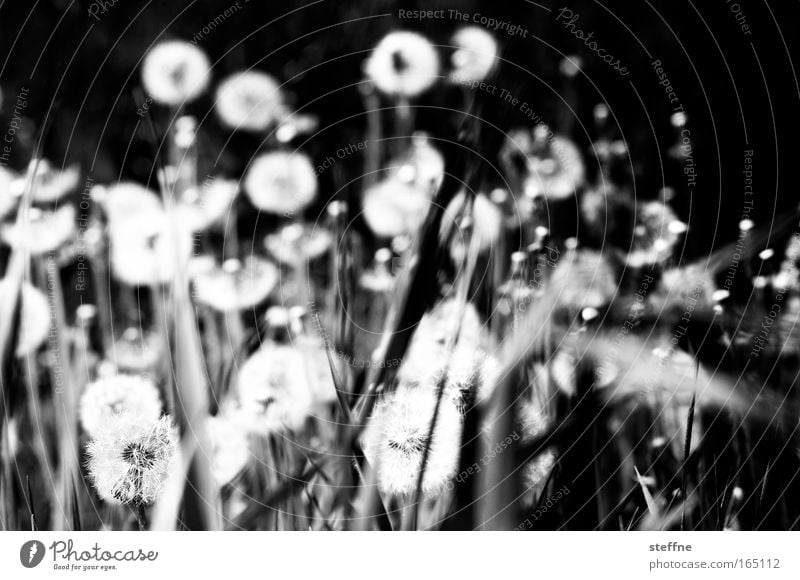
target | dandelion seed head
[
  {"x": 537, "y": 471},
  {"x": 653, "y": 239},
  {"x": 130, "y": 207},
  {"x": 280, "y": 182},
  {"x": 403, "y": 64},
  {"x": 142, "y": 260},
  {"x": 41, "y": 231},
  {"x": 106, "y": 399},
  {"x": 280, "y": 386},
  {"x": 396, "y": 436},
  {"x": 203, "y": 207},
  {"x": 393, "y": 208},
  {"x": 421, "y": 165},
  {"x": 229, "y": 448},
  {"x": 249, "y": 101},
  {"x": 175, "y": 72},
  {"x": 9, "y": 196},
  {"x": 128, "y": 462},
  {"x": 136, "y": 351},
  {"x": 486, "y": 224},
  {"x": 236, "y": 285},
  {"x": 475, "y": 55},
  {"x": 35, "y": 322},
  {"x": 545, "y": 164},
  {"x": 298, "y": 241},
  {"x": 50, "y": 183}
]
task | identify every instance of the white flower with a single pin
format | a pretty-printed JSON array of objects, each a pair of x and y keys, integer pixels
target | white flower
[
  {"x": 229, "y": 449},
  {"x": 546, "y": 165},
  {"x": 41, "y": 231},
  {"x": 34, "y": 325},
  {"x": 51, "y": 184},
  {"x": 250, "y": 101},
  {"x": 130, "y": 207},
  {"x": 280, "y": 386},
  {"x": 141, "y": 260},
  {"x": 396, "y": 436},
  {"x": 475, "y": 55},
  {"x": 106, "y": 399},
  {"x": 129, "y": 461},
  {"x": 421, "y": 165},
  {"x": 403, "y": 64},
  {"x": 392, "y": 208},
  {"x": 137, "y": 351},
  {"x": 485, "y": 219},
  {"x": 9, "y": 196},
  {"x": 280, "y": 182},
  {"x": 202, "y": 207},
  {"x": 175, "y": 72},
  {"x": 296, "y": 241},
  {"x": 236, "y": 285},
  {"x": 656, "y": 232}
]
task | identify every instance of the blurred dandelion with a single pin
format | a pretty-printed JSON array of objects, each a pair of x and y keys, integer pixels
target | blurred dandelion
[
  {"x": 403, "y": 64},
  {"x": 279, "y": 387},
  {"x": 544, "y": 164},
  {"x": 281, "y": 182},
  {"x": 41, "y": 231},
  {"x": 229, "y": 449},
  {"x": 298, "y": 241},
  {"x": 474, "y": 55},
  {"x": 35, "y": 321},
  {"x": 236, "y": 285},
  {"x": 394, "y": 208},
  {"x": 656, "y": 232},
  {"x": 106, "y": 399},
  {"x": 175, "y": 72},
  {"x": 205, "y": 206},
  {"x": 50, "y": 184},
  {"x": 249, "y": 101}
]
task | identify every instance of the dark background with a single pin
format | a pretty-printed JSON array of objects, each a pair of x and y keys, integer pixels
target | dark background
[{"x": 84, "y": 83}]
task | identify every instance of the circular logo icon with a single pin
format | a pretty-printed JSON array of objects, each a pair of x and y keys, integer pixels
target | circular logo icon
[{"x": 31, "y": 553}]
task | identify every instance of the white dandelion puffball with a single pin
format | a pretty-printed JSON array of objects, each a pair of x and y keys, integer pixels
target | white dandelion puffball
[
  {"x": 35, "y": 323},
  {"x": 396, "y": 436},
  {"x": 205, "y": 206},
  {"x": 654, "y": 235},
  {"x": 128, "y": 461},
  {"x": 41, "y": 231},
  {"x": 298, "y": 241},
  {"x": 393, "y": 208},
  {"x": 545, "y": 164},
  {"x": 109, "y": 397},
  {"x": 279, "y": 387},
  {"x": 475, "y": 55},
  {"x": 141, "y": 260},
  {"x": 9, "y": 196},
  {"x": 485, "y": 221},
  {"x": 229, "y": 449},
  {"x": 421, "y": 166},
  {"x": 51, "y": 184},
  {"x": 175, "y": 72},
  {"x": 249, "y": 101},
  {"x": 130, "y": 207},
  {"x": 281, "y": 182},
  {"x": 403, "y": 64},
  {"x": 236, "y": 285}
]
